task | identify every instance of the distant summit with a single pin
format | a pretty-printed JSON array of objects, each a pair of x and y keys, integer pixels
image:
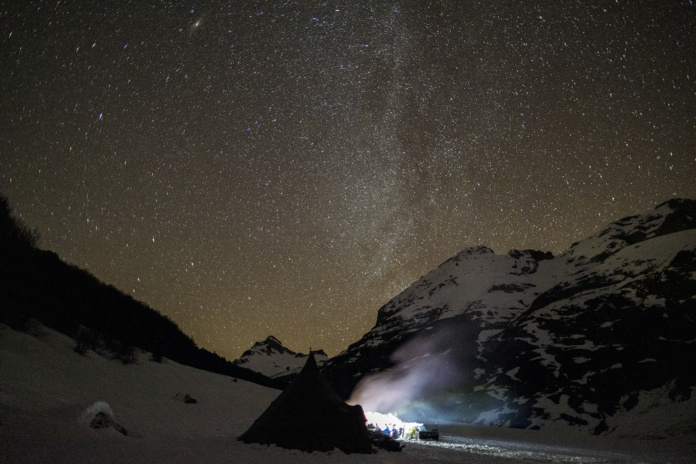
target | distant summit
[
  {"x": 601, "y": 337},
  {"x": 272, "y": 359}
]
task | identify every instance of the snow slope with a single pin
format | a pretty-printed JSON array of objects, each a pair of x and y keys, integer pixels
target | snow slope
[{"x": 45, "y": 389}]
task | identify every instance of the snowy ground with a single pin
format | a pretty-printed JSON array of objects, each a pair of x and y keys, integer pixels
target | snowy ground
[{"x": 45, "y": 387}]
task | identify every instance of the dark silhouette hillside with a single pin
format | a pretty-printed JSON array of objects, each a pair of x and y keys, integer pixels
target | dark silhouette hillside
[{"x": 37, "y": 284}]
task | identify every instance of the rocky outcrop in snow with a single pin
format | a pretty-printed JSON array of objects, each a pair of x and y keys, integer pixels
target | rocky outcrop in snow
[
  {"x": 100, "y": 416},
  {"x": 600, "y": 336}
]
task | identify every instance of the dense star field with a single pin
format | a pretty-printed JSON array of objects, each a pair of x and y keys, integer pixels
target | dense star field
[{"x": 285, "y": 168}]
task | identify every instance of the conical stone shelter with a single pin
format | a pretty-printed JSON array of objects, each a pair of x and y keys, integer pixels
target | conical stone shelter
[{"x": 309, "y": 416}]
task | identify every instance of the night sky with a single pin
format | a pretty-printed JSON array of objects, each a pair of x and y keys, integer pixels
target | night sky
[{"x": 285, "y": 168}]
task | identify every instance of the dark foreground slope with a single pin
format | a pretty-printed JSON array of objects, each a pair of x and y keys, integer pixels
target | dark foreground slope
[
  {"x": 37, "y": 284},
  {"x": 601, "y": 337}
]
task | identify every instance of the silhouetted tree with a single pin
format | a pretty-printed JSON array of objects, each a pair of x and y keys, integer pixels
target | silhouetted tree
[
  {"x": 14, "y": 234},
  {"x": 87, "y": 339},
  {"x": 17, "y": 243}
]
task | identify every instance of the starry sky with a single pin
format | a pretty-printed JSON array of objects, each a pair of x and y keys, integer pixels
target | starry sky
[{"x": 255, "y": 168}]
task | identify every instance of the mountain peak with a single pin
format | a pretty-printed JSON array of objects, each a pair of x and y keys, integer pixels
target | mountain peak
[
  {"x": 679, "y": 204},
  {"x": 596, "y": 337},
  {"x": 270, "y": 345},
  {"x": 672, "y": 216},
  {"x": 476, "y": 250},
  {"x": 272, "y": 359},
  {"x": 271, "y": 341}
]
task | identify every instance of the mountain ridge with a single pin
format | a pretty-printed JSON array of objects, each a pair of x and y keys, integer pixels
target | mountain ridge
[
  {"x": 530, "y": 340},
  {"x": 36, "y": 285}
]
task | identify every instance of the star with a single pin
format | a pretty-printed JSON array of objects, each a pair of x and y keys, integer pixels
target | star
[{"x": 314, "y": 163}]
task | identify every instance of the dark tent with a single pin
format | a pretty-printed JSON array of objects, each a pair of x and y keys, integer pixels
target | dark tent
[{"x": 309, "y": 416}]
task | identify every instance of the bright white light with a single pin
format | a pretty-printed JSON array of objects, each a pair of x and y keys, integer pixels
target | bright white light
[{"x": 391, "y": 421}]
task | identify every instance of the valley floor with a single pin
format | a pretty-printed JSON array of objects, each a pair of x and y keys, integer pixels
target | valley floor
[{"x": 45, "y": 387}]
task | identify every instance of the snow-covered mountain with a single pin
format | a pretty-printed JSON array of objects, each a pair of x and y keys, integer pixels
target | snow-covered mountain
[
  {"x": 272, "y": 359},
  {"x": 600, "y": 337}
]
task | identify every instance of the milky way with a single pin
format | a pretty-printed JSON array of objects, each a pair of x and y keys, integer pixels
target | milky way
[{"x": 285, "y": 168}]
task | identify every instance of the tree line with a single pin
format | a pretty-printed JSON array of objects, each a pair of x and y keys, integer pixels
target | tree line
[{"x": 37, "y": 285}]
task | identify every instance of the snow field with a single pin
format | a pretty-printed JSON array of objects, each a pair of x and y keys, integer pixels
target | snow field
[{"x": 45, "y": 388}]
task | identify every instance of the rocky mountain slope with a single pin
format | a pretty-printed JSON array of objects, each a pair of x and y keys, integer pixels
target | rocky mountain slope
[
  {"x": 273, "y": 360},
  {"x": 601, "y": 337}
]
